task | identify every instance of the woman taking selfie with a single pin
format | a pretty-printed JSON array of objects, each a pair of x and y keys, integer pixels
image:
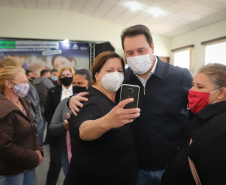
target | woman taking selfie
[
  {"x": 103, "y": 142},
  {"x": 20, "y": 149},
  {"x": 204, "y": 144}
]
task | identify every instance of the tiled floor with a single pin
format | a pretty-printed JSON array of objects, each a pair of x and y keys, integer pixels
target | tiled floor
[{"x": 43, "y": 168}]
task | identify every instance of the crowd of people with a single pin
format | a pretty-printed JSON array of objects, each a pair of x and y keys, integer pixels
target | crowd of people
[{"x": 176, "y": 135}]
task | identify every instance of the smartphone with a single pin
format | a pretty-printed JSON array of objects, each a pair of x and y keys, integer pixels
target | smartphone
[{"x": 130, "y": 91}]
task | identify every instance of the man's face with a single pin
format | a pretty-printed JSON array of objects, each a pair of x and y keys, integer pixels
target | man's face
[
  {"x": 54, "y": 74},
  {"x": 47, "y": 75},
  {"x": 137, "y": 45},
  {"x": 29, "y": 75}
]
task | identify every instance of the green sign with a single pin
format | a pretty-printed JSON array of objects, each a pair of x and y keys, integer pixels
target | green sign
[{"x": 7, "y": 44}]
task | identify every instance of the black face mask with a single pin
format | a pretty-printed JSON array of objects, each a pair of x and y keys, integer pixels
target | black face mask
[
  {"x": 78, "y": 89},
  {"x": 31, "y": 80},
  {"x": 66, "y": 81}
]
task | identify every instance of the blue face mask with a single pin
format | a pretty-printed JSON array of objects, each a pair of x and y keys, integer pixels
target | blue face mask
[{"x": 54, "y": 78}]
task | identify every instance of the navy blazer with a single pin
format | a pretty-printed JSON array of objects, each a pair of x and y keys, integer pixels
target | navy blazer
[{"x": 164, "y": 116}]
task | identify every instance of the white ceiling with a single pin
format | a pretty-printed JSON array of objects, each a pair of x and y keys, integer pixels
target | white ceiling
[{"x": 180, "y": 15}]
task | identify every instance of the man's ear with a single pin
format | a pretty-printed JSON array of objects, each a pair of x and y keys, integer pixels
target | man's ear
[{"x": 152, "y": 48}]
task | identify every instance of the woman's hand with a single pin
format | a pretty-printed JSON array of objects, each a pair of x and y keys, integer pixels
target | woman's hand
[
  {"x": 75, "y": 102},
  {"x": 40, "y": 157},
  {"x": 66, "y": 123},
  {"x": 119, "y": 116}
]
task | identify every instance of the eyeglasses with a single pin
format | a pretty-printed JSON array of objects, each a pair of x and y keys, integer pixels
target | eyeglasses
[{"x": 64, "y": 75}]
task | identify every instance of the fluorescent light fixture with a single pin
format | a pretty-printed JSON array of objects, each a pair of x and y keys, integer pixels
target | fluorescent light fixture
[
  {"x": 133, "y": 5},
  {"x": 156, "y": 11}
]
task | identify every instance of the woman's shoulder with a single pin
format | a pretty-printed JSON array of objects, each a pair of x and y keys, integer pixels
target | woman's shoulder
[{"x": 6, "y": 106}]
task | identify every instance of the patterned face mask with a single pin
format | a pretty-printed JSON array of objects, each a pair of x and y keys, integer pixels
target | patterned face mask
[{"x": 21, "y": 89}]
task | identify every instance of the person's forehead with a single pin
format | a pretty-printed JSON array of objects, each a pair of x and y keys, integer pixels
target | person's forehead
[
  {"x": 21, "y": 77},
  {"x": 62, "y": 58},
  {"x": 112, "y": 62},
  {"x": 66, "y": 71},
  {"x": 136, "y": 42},
  {"x": 201, "y": 79},
  {"x": 79, "y": 77}
]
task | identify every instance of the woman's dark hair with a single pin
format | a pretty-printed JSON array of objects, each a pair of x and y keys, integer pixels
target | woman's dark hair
[
  {"x": 135, "y": 30},
  {"x": 101, "y": 59},
  {"x": 85, "y": 72}
]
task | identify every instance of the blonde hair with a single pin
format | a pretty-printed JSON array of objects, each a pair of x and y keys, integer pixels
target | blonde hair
[
  {"x": 9, "y": 62},
  {"x": 63, "y": 69},
  {"x": 9, "y": 73}
]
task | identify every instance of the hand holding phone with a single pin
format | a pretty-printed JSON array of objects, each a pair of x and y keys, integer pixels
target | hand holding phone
[{"x": 130, "y": 91}]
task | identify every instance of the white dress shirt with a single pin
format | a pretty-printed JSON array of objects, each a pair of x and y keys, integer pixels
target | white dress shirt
[{"x": 66, "y": 92}]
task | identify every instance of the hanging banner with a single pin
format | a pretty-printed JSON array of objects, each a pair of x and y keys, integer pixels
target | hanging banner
[{"x": 37, "y": 55}]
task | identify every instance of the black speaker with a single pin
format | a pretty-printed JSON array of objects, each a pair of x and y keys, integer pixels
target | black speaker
[{"x": 104, "y": 46}]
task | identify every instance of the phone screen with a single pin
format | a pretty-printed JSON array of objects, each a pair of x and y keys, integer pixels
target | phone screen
[{"x": 130, "y": 91}]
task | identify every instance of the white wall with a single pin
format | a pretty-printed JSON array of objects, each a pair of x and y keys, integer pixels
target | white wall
[
  {"x": 195, "y": 37},
  {"x": 50, "y": 24}
]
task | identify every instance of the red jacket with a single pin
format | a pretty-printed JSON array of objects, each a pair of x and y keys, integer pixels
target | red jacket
[{"x": 18, "y": 138}]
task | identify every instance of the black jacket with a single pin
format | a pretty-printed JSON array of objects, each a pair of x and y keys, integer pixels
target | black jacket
[{"x": 207, "y": 151}]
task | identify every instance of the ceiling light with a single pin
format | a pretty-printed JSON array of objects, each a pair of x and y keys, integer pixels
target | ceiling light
[
  {"x": 156, "y": 11},
  {"x": 66, "y": 43},
  {"x": 133, "y": 5}
]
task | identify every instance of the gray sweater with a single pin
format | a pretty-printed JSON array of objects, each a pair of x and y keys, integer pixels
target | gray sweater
[
  {"x": 56, "y": 127},
  {"x": 42, "y": 85}
]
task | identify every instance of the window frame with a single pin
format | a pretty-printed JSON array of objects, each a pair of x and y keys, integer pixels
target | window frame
[
  {"x": 190, "y": 48},
  {"x": 213, "y": 42}
]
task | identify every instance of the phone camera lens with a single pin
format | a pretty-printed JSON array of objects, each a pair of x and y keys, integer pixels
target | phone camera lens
[{"x": 129, "y": 90}]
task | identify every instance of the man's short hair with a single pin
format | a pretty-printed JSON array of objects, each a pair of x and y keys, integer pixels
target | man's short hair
[
  {"x": 135, "y": 30},
  {"x": 27, "y": 72},
  {"x": 54, "y": 70},
  {"x": 43, "y": 72}
]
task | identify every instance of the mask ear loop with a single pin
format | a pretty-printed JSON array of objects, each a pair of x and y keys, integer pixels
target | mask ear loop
[
  {"x": 13, "y": 84},
  {"x": 214, "y": 92}
]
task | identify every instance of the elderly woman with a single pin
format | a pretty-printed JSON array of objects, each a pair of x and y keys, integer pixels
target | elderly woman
[
  {"x": 103, "y": 143},
  {"x": 205, "y": 140},
  {"x": 20, "y": 149}
]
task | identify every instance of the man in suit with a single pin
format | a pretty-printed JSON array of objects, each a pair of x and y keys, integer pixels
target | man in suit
[{"x": 163, "y": 103}]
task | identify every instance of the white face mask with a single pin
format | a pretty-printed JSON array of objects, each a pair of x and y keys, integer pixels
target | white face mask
[
  {"x": 112, "y": 81},
  {"x": 139, "y": 64}
]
